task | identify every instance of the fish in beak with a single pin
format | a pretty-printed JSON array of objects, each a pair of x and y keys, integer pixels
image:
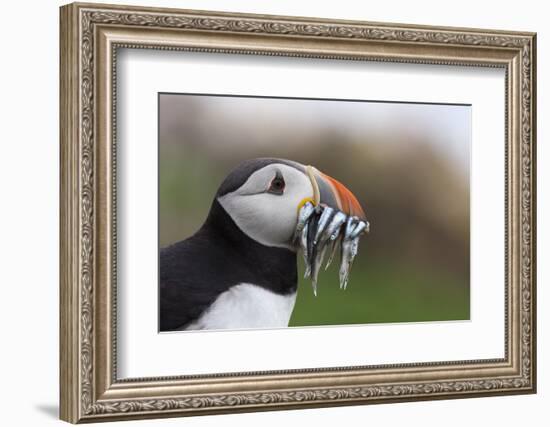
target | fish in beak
[{"x": 331, "y": 219}]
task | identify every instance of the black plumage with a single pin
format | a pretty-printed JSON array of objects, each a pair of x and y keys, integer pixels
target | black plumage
[{"x": 195, "y": 271}]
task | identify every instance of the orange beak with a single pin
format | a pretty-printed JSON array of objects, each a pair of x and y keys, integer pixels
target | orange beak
[{"x": 333, "y": 193}]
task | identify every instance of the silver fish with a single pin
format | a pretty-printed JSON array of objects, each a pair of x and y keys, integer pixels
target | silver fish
[
  {"x": 333, "y": 229},
  {"x": 362, "y": 226},
  {"x": 304, "y": 246},
  {"x": 309, "y": 233},
  {"x": 303, "y": 216},
  {"x": 334, "y": 247},
  {"x": 312, "y": 230},
  {"x": 350, "y": 226},
  {"x": 317, "y": 262},
  {"x": 349, "y": 251},
  {"x": 321, "y": 229},
  {"x": 323, "y": 223}
]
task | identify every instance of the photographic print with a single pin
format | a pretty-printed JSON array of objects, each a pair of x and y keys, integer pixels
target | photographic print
[
  {"x": 292, "y": 212},
  {"x": 347, "y": 209}
]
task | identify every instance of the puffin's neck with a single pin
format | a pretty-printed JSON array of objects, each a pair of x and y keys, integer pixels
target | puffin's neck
[{"x": 274, "y": 268}]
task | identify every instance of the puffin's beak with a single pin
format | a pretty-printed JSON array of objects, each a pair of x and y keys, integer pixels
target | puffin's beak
[{"x": 330, "y": 192}]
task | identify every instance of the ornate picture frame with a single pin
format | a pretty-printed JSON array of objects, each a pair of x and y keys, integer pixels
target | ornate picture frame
[{"x": 90, "y": 37}]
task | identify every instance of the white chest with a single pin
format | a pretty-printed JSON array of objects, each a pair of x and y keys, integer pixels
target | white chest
[{"x": 247, "y": 306}]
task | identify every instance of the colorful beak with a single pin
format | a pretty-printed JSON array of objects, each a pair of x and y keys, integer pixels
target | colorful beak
[{"x": 333, "y": 193}]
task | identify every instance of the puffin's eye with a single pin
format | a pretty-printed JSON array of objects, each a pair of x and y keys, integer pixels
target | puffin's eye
[{"x": 277, "y": 185}]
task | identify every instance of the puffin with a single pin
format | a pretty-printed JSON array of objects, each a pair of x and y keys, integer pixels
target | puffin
[{"x": 239, "y": 269}]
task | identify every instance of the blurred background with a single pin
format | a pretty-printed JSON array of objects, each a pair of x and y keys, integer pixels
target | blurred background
[{"x": 408, "y": 164}]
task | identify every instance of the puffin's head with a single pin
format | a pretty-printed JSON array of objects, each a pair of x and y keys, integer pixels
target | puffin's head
[{"x": 264, "y": 196}]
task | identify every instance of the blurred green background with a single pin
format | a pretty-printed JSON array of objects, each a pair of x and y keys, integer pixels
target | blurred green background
[{"x": 408, "y": 164}]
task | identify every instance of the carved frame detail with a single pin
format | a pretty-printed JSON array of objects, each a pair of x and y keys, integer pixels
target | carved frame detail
[{"x": 86, "y": 397}]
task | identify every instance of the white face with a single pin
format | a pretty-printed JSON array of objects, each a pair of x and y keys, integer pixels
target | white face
[{"x": 265, "y": 207}]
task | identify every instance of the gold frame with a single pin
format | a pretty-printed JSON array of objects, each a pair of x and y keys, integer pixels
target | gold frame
[{"x": 90, "y": 36}]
